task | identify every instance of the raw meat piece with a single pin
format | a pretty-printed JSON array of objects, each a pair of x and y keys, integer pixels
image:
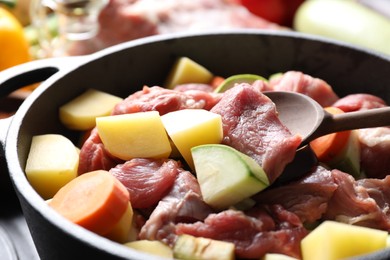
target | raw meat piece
[
  {"x": 374, "y": 151},
  {"x": 307, "y": 198},
  {"x": 268, "y": 230},
  {"x": 355, "y": 102},
  {"x": 251, "y": 125},
  {"x": 93, "y": 155},
  {"x": 297, "y": 81},
  {"x": 183, "y": 203},
  {"x": 165, "y": 101},
  {"x": 356, "y": 202},
  {"x": 147, "y": 180}
]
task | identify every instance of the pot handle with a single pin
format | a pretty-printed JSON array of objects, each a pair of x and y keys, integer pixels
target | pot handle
[
  {"x": 29, "y": 73},
  {"x": 5, "y": 181},
  {"x": 32, "y": 72}
]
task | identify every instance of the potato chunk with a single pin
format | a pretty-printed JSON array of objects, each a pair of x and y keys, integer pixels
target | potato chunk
[
  {"x": 188, "y": 247},
  {"x": 151, "y": 247},
  {"x": 81, "y": 112},
  {"x": 52, "y": 162},
  {"x": 186, "y": 70},
  {"x": 121, "y": 231},
  {"x": 192, "y": 127},
  {"x": 134, "y": 135},
  {"x": 334, "y": 240},
  {"x": 274, "y": 256}
]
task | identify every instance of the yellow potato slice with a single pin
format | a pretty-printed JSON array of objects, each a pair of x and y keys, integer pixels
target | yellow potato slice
[
  {"x": 334, "y": 240},
  {"x": 121, "y": 232},
  {"x": 52, "y": 162},
  {"x": 137, "y": 135},
  {"x": 186, "y": 70},
  {"x": 81, "y": 112},
  {"x": 188, "y": 247},
  {"x": 151, "y": 247},
  {"x": 188, "y": 128}
]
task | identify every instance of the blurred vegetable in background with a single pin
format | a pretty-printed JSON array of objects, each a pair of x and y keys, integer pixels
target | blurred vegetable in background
[
  {"x": 14, "y": 48},
  {"x": 277, "y": 11},
  {"x": 346, "y": 20},
  {"x": 19, "y": 8},
  {"x": 365, "y": 23}
]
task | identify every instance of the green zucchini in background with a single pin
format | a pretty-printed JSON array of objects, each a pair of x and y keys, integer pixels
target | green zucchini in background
[{"x": 345, "y": 20}]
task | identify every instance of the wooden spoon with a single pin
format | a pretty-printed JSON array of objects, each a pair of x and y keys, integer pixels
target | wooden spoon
[{"x": 303, "y": 115}]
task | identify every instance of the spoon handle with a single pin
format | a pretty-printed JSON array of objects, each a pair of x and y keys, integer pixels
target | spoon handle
[
  {"x": 352, "y": 120},
  {"x": 362, "y": 119}
]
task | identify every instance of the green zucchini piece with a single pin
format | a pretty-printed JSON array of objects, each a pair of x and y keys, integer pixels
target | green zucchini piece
[
  {"x": 226, "y": 176},
  {"x": 348, "y": 159},
  {"x": 199, "y": 248},
  {"x": 236, "y": 79}
]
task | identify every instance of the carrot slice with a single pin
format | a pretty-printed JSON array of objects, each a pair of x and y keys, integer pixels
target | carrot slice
[
  {"x": 216, "y": 81},
  {"x": 94, "y": 200},
  {"x": 328, "y": 146}
]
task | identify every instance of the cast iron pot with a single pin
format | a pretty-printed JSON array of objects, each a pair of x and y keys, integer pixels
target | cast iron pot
[{"x": 124, "y": 69}]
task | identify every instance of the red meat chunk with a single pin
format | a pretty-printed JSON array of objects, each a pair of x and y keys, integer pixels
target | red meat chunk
[
  {"x": 355, "y": 102},
  {"x": 93, "y": 155},
  {"x": 165, "y": 101},
  {"x": 183, "y": 203},
  {"x": 363, "y": 203},
  {"x": 299, "y": 82},
  {"x": 374, "y": 151},
  {"x": 264, "y": 230},
  {"x": 251, "y": 125},
  {"x": 147, "y": 180},
  {"x": 307, "y": 198}
]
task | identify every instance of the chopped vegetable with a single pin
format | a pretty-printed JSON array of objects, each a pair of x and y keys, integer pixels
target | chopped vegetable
[
  {"x": 328, "y": 146},
  {"x": 198, "y": 248},
  {"x": 95, "y": 200},
  {"x": 191, "y": 127},
  {"x": 216, "y": 81},
  {"x": 226, "y": 176},
  {"x": 236, "y": 79},
  {"x": 333, "y": 240},
  {"x": 339, "y": 150},
  {"x": 151, "y": 247},
  {"x": 19, "y": 8},
  {"x": 121, "y": 231},
  {"x": 52, "y": 162},
  {"x": 134, "y": 135},
  {"x": 347, "y": 21},
  {"x": 186, "y": 70},
  {"x": 348, "y": 159},
  {"x": 14, "y": 48},
  {"x": 273, "y": 256},
  {"x": 81, "y": 112}
]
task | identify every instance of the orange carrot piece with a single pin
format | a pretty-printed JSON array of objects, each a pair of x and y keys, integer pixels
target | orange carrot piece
[
  {"x": 328, "y": 146},
  {"x": 216, "y": 81},
  {"x": 94, "y": 200}
]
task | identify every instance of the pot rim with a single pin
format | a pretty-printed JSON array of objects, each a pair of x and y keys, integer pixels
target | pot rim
[{"x": 17, "y": 174}]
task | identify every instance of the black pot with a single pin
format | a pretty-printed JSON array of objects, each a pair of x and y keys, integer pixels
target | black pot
[{"x": 124, "y": 69}]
